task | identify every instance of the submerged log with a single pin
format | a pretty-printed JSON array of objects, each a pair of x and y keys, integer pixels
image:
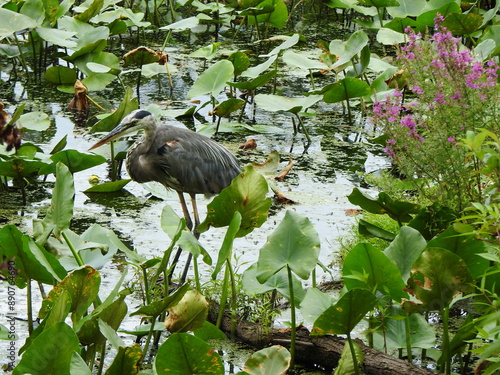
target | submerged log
[{"x": 318, "y": 351}]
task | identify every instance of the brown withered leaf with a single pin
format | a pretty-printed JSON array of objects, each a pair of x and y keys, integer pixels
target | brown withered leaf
[
  {"x": 250, "y": 144},
  {"x": 285, "y": 171},
  {"x": 10, "y": 135}
]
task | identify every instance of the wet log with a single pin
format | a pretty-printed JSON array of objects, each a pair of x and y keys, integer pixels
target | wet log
[{"x": 317, "y": 351}]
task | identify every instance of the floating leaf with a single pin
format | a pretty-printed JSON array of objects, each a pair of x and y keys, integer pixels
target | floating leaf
[
  {"x": 108, "y": 187},
  {"x": 274, "y": 360}
]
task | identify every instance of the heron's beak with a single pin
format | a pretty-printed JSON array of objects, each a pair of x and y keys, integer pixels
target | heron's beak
[{"x": 117, "y": 132}]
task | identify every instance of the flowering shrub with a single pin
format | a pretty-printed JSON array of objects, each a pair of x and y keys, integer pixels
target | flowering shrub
[{"x": 454, "y": 92}]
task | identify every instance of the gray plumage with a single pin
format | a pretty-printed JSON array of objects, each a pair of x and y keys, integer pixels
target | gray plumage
[{"x": 180, "y": 159}]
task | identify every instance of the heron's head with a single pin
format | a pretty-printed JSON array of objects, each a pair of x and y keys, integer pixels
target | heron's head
[{"x": 135, "y": 120}]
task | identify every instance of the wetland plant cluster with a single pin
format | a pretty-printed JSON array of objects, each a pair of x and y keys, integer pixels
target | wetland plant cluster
[{"x": 436, "y": 106}]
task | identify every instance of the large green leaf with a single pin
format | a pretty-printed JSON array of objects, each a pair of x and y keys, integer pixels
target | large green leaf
[
  {"x": 60, "y": 212},
  {"x": 352, "y": 47},
  {"x": 83, "y": 287},
  {"x": 380, "y": 3},
  {"x": 29, "y": 260},
  {"x": 462, "y": 24},
  {"x": 407, "y": 8},
  {"x": 278, "y": 17},
  {"x": 279, "y": 282},
  {"x": 12, "y": 22},
  {"x": 35, "y": 263},
  {"x": 76, "y": 161},
  {"x": 35, "y": 120},
  {"x": 269, "y": 361},
  {"x": 184, "y": 354},
  {"x": 301, "y": 61},
  {"x": 445, "y": 276},
  {"x": 189, "y": 314},
  {"x": 247, "y": 195},
  {"x": 346, "y": 363},
  {"x": 88, "y": 330},
  {"x": 213, "y": 80},
  {"x": 50, "y": 353},
  {"x": 93, "y": 10},
  {"x": 294, "y": 243},
  {"x": 314, "y": 303},
  {"x": 384, "y": 204},
  {"x": 405, "y": 249},
  {"x": 342, "y": 317},
  {"x": 392, "y": 333},
  {"x": 108, "y": 187},
  {"x": 467, "y": 247},
  {"x": 58, "y": 37},
  {"x": 345, "y": 89},
  {"x": 275, "y": 103},
  {"x": 170, "y": 222},
  {"x": 366, "y": 267},
  {"x": 127, "y": 361}
]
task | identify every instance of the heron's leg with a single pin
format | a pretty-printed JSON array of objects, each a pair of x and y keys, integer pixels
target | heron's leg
[
  {"x": 196, "y": 216},
  {"x": 189, "y": 224},
  {"x": 196, "y": 234}
]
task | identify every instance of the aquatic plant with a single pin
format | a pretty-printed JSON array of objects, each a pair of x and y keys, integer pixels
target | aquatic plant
[{"x": 453, "y": 92}]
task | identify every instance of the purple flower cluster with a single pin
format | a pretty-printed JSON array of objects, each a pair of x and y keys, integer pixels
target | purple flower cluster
[{"x": 446, "y": 79}]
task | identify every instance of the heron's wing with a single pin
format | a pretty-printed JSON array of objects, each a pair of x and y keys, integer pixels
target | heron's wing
[{"x": 193, "y": 163}]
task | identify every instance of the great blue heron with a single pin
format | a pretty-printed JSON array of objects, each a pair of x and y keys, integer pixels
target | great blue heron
[{"x": 178, "y": 158}]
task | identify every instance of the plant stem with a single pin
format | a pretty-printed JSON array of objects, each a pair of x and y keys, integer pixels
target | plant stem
[
  {"x": 293, "y": 332},
  {"x": 223, "y": 298},
  {"x": 229, "y": 269},
  {"x": 445, "y": 314},
  {"x": 353, "y": 353},
  {"x": 29, "y": 306},
  {"x": 146, "y": 285},
  {"x": 196, "y": 273},
  {"x": 73, "y": 250},
  {"x": 101, "y": 359},
  {"x": 408, "y": 338}
]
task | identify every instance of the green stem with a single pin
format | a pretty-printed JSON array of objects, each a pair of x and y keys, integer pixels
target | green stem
[
  {"x": 148, "y": 339},
  {"x": 312, "y": 79},
  {"x": 353, "y": 353},
  {"x": 101, "y": 359},
  {"x": 146, "y": 285},
  {"x": 313, "y": 277},
  {"x": 29, "y": 306},
  {"x": 223, "y": 299},
  {"x": 196, "y": 273},
  {"x": 229, "y": 270},
  {"x": 113, "y": 162},
  {"x": 445, "y": 314},
  {"x": 293, "y": 332},
  {"x": 408, "y": 338},
  {"x": 73, "y": 250}
]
